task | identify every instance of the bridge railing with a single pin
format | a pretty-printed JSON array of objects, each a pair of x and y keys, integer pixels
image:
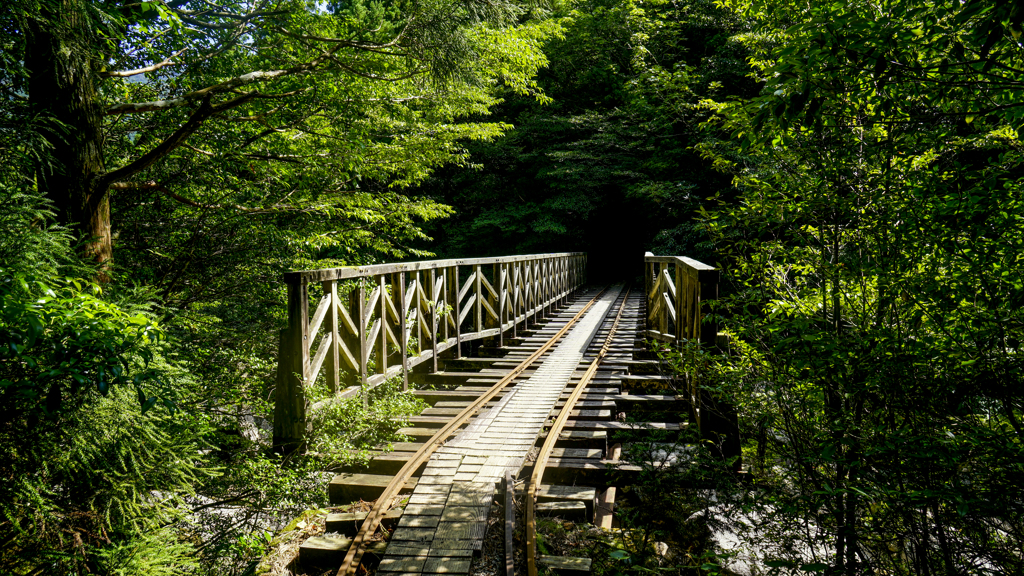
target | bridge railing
[
  {"x": 371, "y": 323},
  {"x": 676, "y": 286},
  {"x": 677, "y": 289}
]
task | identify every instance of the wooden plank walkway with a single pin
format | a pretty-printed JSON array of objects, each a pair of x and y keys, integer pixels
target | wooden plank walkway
[{"x": 446, "y": 517}]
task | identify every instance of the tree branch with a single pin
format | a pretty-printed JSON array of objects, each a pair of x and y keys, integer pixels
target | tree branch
[
  {"x": 226, "y": 86},
  {"x": 152, "y": 68},
  {"x": 178, "y": 137}
]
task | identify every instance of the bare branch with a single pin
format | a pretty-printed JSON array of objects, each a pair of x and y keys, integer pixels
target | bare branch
[
  {"x": 152, "y": 68},
  {"x": 198, "y": 150},
  {"x": 178, "y": 137},
  {"x": 154, "y": 106},
  {"x": 226, "y": 86}
]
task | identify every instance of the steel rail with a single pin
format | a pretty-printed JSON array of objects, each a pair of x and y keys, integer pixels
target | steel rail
[
  {"x": 356, "y": 550},
  {"x": 549, "y": 442}
]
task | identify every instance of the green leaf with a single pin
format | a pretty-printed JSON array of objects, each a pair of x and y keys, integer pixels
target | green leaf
[{"x": 619, "y": 554}]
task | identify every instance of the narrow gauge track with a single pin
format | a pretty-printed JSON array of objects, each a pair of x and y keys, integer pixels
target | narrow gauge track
[
  {"x": 549, "y": 444},
  {"x": 363, "y": 537},
  {"x": 578, "y": 478}
]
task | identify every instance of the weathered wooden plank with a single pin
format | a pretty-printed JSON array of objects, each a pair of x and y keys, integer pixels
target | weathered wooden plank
[
  {"x": 318, "y": 360},
  {"x": 293, "y": 363},
  {"x": 460, "y": 530},
  {"x": 318, "y": 317},
  {"x": 347, "y": 523},
  {"x": 346, "y": 319},
  {"x": 465, "y": 514},
  {"x": 510, "y": 513},
  {"x": 446, "y": 565},
  {"x": 566, "y": 566},
  {"x": 371, "y": 339}
]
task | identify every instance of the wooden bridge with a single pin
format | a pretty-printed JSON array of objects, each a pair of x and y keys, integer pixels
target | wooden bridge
[{"x": 529, "y": 372}]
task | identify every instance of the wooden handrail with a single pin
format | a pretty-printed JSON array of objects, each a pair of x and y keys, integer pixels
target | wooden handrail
[
  {"x": 676, "y": 287},
  {"x": 309, "y": 276},
  {"x": 398, "y": 316}
]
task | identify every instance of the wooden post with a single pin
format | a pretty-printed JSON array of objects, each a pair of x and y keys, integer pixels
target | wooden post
[
  {"x": 544, "y": 293},
  {"x": 417, "y": 306},
  {"x": 563, "y": 280},
  {"x": 680, "y": 303},
  {"x": 293, "y": 363},
  {"x": 403, "y": 338},
  {"x": 478, "y": 313},
  {"x": 538, "y": 288},
  {"x": 382, "y": 352},
  {"x": 515, "y": 295},
  {"x": 663, "y": 317},
  {"x": 457, "y": 303},
  {"x": 431, "y": 291},
  {"x": 446, "y": 302},
  {"x": 499, "y": 285},
  {"x": 648, "y": 287},
  {"x": 364, "y": 354}
]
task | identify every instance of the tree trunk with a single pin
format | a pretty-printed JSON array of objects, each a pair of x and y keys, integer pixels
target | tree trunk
[{"x": 63, "y": 63}]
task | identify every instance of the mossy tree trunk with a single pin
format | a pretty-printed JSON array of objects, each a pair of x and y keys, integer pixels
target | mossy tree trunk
[{"x": 63, "y": 65}]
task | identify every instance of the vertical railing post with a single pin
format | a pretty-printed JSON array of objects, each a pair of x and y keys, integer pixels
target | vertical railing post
[
  {"x": 514, "y": 279},
  {"x": 560, "y": 280},
  {"x": 550, "y": 282},
  {"x": 499, "y": 280},
  {"x": 364, "y": 346},
  {"x": 352, "y": 339},
  {"x": 403, "y": 338},
  {"x": 545, "y": 290},
  {"x": 292, "y": 367},
  {"x": 648, "y": 288},
  {"x": 446, "y": 300},
  {"x": 575, "y": 273},
  {"x": 416, "y": 304},
  {"x": 538, "y": 297},
  {"x": 382, "y": 361},
  {"x": 457, "y": 303},
  {"x": 432, "y": 298},
  {"x": 478, "y": 312},
  {"x": 563, "y": 279}
]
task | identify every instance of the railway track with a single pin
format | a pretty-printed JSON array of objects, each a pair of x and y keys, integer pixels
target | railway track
[{"x": 488, "y": 414}]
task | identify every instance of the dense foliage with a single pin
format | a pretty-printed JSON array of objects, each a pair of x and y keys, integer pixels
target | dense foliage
[
  {"x": 854, "y": 168},
  {"x": 161, "y": 164},
  {"x": 610, "y": 165},
  {"x": 875, "y": 260}
]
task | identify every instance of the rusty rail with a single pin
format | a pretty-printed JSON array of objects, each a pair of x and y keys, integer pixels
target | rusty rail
[
  {"x": 369, "y": 527},
  {"x": 553, "y": 433}
]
